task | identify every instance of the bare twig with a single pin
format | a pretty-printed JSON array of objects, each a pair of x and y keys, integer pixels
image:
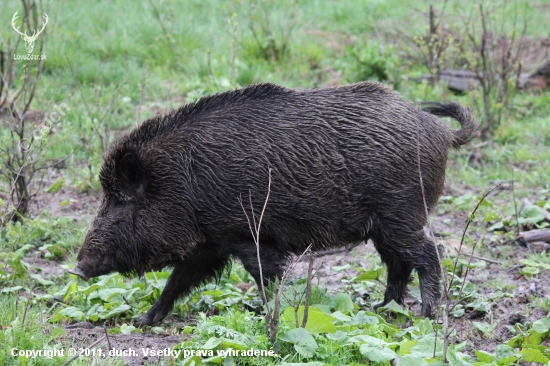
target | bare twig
[
  {"x": 514, "y": 198},
  {"x": 107, "y": 337},
  {"x": 308, "y": 290},
  {"x": 480, "y": 258},
  {"x": 255, "y": 231},
  {"x": 471, "y": 218}
]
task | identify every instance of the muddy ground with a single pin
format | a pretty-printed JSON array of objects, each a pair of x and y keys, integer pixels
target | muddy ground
[{"x": 514, "y": 308}]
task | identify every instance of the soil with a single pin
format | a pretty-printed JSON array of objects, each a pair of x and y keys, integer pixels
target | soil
[{"x": 515, "y": 307}]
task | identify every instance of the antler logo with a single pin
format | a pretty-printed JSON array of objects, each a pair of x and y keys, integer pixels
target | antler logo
[{"x": 29, "y": 40}]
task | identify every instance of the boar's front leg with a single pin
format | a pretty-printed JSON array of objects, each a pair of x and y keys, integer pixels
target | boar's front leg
[{"x": 203, "y": 264}]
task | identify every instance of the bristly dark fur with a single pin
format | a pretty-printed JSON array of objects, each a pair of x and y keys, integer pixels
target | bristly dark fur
[{"x": 344, "y": 167}]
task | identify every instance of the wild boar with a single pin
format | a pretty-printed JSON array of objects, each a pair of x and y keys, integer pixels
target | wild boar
[{"x": 345, "y": 168}]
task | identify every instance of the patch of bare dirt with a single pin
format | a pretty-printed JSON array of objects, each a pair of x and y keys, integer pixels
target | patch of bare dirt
[{"x": 134, "y": 349}]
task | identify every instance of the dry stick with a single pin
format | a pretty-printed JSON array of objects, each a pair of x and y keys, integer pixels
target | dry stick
[
  {"x": 308, "y": 290},
  {"x": 256, "y": 236},
  {"x": 107, "y": 336},
  {"x": 534, "y": 235},
  {"x": 26, "y": 308},
  {"x": 515, "y": 203},
  {"x": 278, "y": 292},
  {"x": 448, "y": 307},
  {"x": 464, "y": 233},
  {"x": 480, "y": 258},
  {"x": 78, "y": 354}
]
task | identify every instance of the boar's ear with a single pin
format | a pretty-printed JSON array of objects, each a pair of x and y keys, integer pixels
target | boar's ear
[{"x": 130, "y": 174}]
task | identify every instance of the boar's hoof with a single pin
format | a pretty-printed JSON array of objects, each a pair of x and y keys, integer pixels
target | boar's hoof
[
  {"x": 426, "y": 310},
  {"x": 378, "y": 305},
  {"x": 154, "y": 315}
]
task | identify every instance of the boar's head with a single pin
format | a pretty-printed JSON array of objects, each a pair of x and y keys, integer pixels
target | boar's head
[{"x": 144, "y": 222}]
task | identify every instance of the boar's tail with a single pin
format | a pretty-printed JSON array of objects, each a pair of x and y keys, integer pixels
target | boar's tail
[{"x": 458, "y": 112}]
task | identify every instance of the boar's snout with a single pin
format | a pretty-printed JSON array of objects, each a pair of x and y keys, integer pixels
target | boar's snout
[
  {"x": 77, "y": 271},
  {"x": 90, "y": 265}
]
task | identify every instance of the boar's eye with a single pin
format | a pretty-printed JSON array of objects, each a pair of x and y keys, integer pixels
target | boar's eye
[{"x": 130, "y": 174}]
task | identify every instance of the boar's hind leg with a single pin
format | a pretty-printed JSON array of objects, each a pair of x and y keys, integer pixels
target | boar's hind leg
[
  {"x": 192, "y": 271},
  {"x": 429, "y": 273},
  {"x": 399, "y": 274},
  {"x": 403, "y": 253}
]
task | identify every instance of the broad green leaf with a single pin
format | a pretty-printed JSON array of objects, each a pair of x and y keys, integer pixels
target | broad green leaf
[
  {"x": 530, "y": 271},
  {"x": 377, "y": 354},
  {"x": 192, "y": 361},
  {"x": 484, "y": 328},
  {"x": 362, "y": 318},
  {"x": 41, "y": 280},
  {"x": 212, "y": 343},
  {"x": 127, "y": 329},
  {"x": 412, "y": 360},
  {"x": 218, "y": 360},
  {"x": 533, "y": 355},
  {"x": 401, "y": 315},
  {"x": 484, "y": 356},
  {"x": 341, "y": 317},
  {"x": 425, "y": 346},
  {"x": 317, "y": 321},
  {"x": 107, "y": 294},
  {"x": 11, "y": 289},
  {"x": 73, "y": 313},
  {"x": 303, "y": 341},
  {"x": 342, "y": 302},
  {"x": 425, "y": 327},
  {"x": 505, "y": 354},
  {"x": 339, "y": 337},
  {"x": 542, "y": 326},
  {"x": 531, "y": 263},
  {"x": 370, "y": 340},
  {"x": 454, "y": 359},
  {"x": 232, "y": 343},
  {"x": 531, "y": 214},
  {"x": 122, "y": 308},
  {"x": 496, "y": 226},
  {"x": 370, "y": 274},
  {"x": 405, "y": 347}
]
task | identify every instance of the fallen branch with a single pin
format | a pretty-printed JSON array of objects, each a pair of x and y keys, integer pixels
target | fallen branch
[
  {"x": 539, "y": 246},
  {"x": 480, "y": 258},
  {"x": 535, "y": 235}
]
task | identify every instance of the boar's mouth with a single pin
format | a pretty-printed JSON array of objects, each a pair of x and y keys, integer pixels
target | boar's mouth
[{"x": 77, "y": 271}]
